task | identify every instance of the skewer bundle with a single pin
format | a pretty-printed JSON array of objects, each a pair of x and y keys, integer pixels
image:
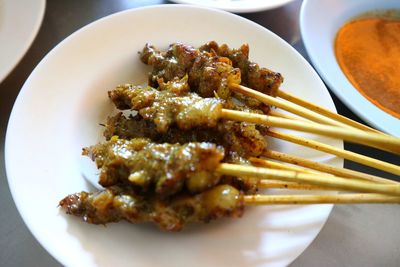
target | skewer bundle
[{"x": 196, "y": 150}]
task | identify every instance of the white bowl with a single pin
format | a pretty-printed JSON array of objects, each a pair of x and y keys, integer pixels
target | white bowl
[
  {"x": 58, "y": 112},
  {"x": 19, "y": 23},
  {"x": 319, "y": 22}
]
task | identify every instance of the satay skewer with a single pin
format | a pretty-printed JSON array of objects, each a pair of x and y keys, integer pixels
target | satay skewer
[
  {"x": 323, "y": 111},
  {"x": 319, "y": 199},
  {"x": 273, "y": 184},
  {"x": 286, "y": 105},
  {"x": 120, "y": 203},
  {"x": 188, "y": 110},
  {"x": 262, "y": 162},
  {"x": 329, "y": 181},
  {"x": 349, "y": 155},
  {"x": 208, "y": 114},
  {"x": 275, "y": 113},
  {"x": 306, "y": 113},
  {"x": 325, "y": 168},
  {"x": 197, "y": 166},
  {"x": 383, "y": 142},
  {"x": 285, "y": 185},
  {"x": 303, "y": 108}
]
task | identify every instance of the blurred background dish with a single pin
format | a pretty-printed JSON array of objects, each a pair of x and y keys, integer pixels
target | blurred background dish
[
  {"x": 19, "y": 23},
  {"x": 237, "y": 6},
  {"x": 319, "y": 24}
]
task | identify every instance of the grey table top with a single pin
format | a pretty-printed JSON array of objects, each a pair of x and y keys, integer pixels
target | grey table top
[{"x": 354, "y": 235}]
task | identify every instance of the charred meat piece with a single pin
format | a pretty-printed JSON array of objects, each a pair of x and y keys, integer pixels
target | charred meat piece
[
  {"x": 121, "y": 203},
  {"x": 173, "y": 105},
  {"x": 166, "y": 108},
  {"x": 211, "y": 68},
  {"x": 173, "y": 63},
  {"x": 129, "y": 96},
  {"x": 137, "y": 127},
  {"x": 253, "y": 76},
  {"x": 242, "y": 138},
  {"x": 239, "y": 137},
  {"x": 163, "y": 168},
  {"x": 209, "y": 74},
  {"x": 240, "y": 141}
]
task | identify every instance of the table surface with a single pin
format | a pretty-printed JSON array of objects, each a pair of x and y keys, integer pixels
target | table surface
[{"x": 354, "y": 235}]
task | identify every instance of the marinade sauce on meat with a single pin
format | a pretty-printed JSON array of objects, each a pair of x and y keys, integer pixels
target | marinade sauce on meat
[{"x": 159, "y": 165}]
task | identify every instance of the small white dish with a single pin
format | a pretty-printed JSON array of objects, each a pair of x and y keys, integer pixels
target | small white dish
[
  {"x": 319, "y": 22},
  {"x": 69, "y": 88},
  {"x": 19, "y": 24},
  {"x": 237, "y": 6}
]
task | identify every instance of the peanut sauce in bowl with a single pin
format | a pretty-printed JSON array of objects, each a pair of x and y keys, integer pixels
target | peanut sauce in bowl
[
  {"x": 368, "y": 52},
  {"x": 356, "y": 76}
]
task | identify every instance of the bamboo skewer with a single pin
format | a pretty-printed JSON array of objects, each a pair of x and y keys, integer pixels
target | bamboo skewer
[
  {"x": 387, "y": 143},
  {"x": 307, "y": 113},
  {"x": 280, "y": 184},
  {"x": 368, "y": 161},
  {"x": 286, "y": 105},
  {"x": 303, "y": 108},
  {"x": 279, "y": 166},
  {"x": 324, "y": 111},
  {"x": 286, "y": 116},
  {"x": 288, "y": 185},
  {"x": 318, "y": 166},
  {"x": 278, "y": 114},
  {"x": 327, "y": 181},
  {"x": 319, "y": 199}
]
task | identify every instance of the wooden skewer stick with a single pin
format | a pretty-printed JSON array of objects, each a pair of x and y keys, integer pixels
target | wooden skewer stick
[
  {"x": 276, "y": 113},
  {"x": 277, "y": 165},
  {"x": 368, "y": 161},
  {"x": 318, "y": 166},
  {"x": 319, "y": 199},
  {"x": 324, "y": 111},
  {"x": 303, "y": 108},
  {"x": 306, "y": 113},
  {"x": 286, "y": 105},
  {"x": 328, "y": 181},
  {"x": 286, "y": 116},
  {"x": 280, "y": 184},
  {"x": 384, "y": 142},
  {"x": 289, "y": 185}
]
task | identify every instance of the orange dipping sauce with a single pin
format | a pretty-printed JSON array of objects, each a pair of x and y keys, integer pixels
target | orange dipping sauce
[{"x": 368, "y": 52}]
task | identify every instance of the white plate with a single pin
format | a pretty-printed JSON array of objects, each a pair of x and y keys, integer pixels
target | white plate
[
  {"x": 237, "y": 6},
  {"x": 59, "y": 109},
  {"x": 319, "y": 22},
  {"x": 19, "y": 24}
]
